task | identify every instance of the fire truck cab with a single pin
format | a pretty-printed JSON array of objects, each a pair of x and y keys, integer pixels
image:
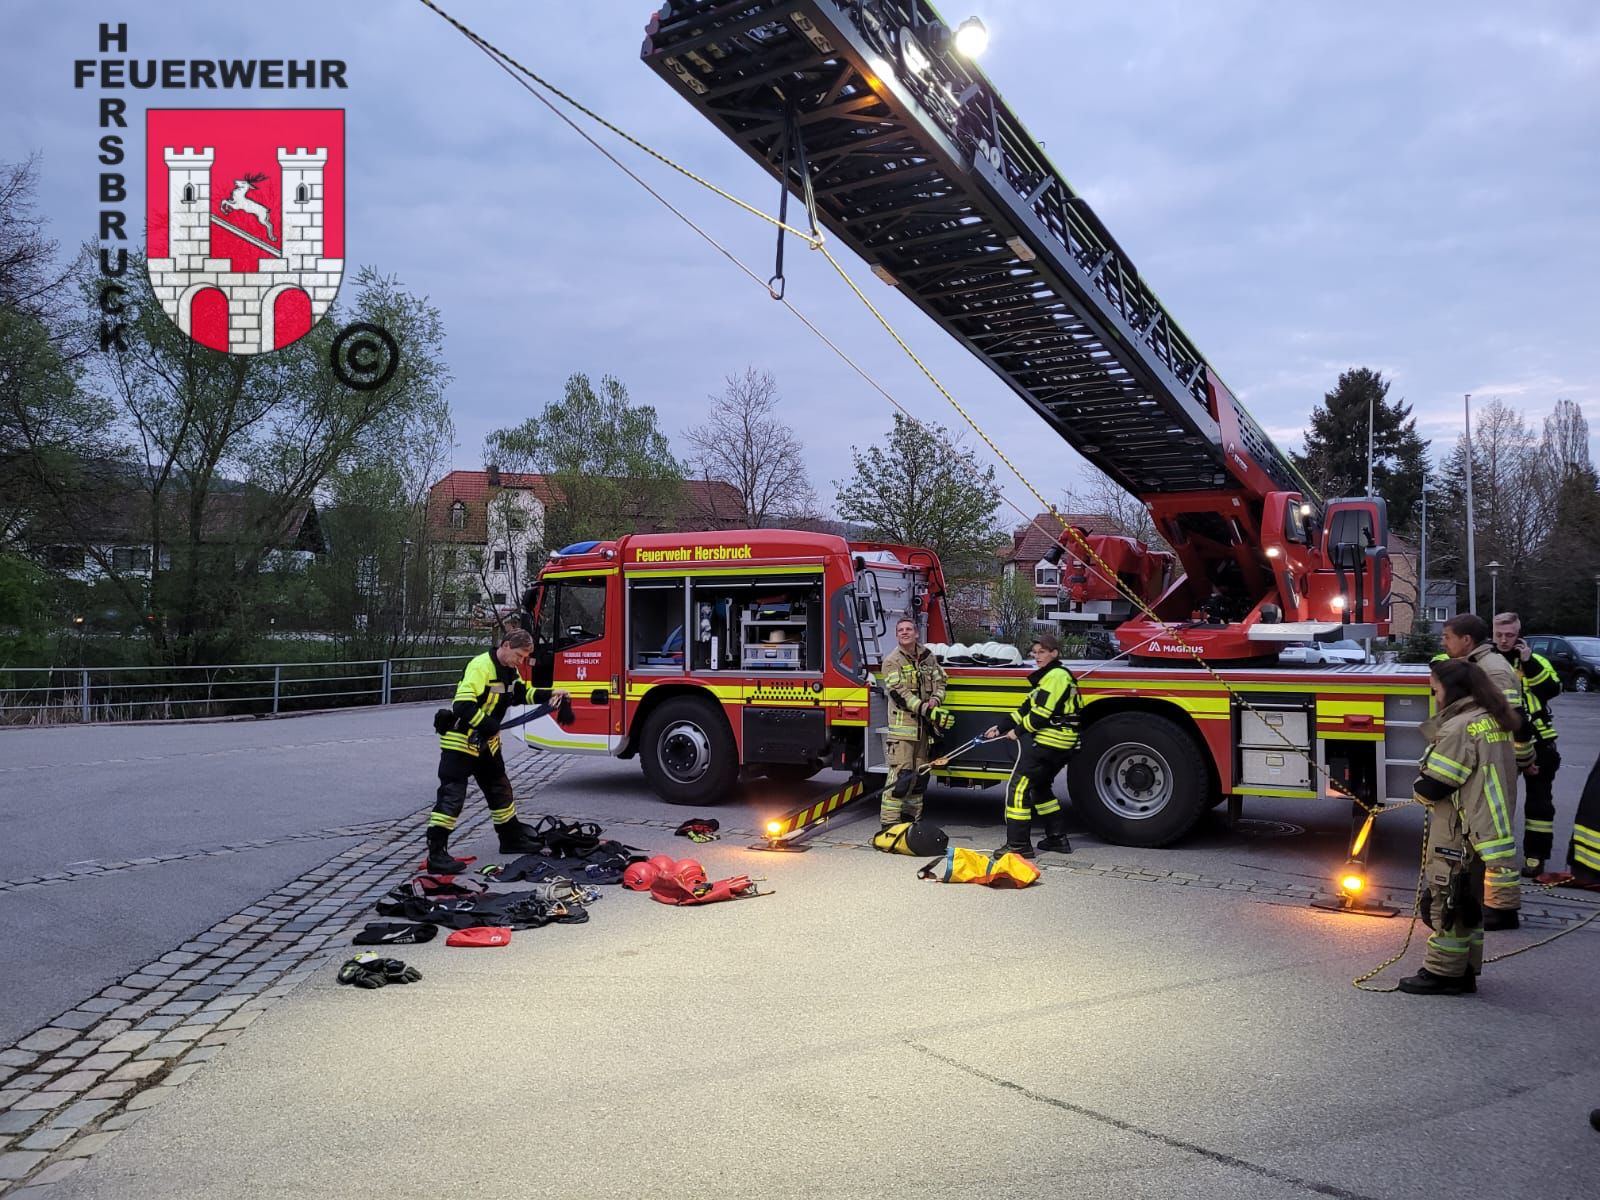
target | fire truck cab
[{"x": 705, "y": 653}]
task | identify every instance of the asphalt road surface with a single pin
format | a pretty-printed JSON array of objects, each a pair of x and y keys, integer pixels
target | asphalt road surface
[{"x": 1158, "y": 1023}]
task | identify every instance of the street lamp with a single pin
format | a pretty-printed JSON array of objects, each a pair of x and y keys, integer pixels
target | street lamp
[
  {"x": 1494, "y": 579},
  {"x": 1597, "y": 604}
]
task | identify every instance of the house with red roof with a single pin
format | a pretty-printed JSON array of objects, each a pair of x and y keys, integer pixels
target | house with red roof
[{"x": 487, "y": 529}]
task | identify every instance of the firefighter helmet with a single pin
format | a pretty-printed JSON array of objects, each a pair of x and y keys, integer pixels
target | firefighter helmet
[{"x": 640, "y": 875}]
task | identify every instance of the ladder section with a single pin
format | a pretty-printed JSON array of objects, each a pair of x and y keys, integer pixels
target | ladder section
[{"x": 919, "y": 166}]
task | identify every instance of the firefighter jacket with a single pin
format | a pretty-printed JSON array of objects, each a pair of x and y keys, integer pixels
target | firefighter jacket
[
  {"x": 915, "y": 683},
  {"x": 1465, "y": 780},
  {"x": 1505, "y": 677},
  {"x": 488, "y": 688},
  {"x": 1049, "y": 714},
  {"x": 1540, "y": 685}
]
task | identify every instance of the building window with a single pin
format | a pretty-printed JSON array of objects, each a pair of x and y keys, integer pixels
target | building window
[
  {"x": 475, "y": 560},
  {"x": 458, "y": 515},
  {"x": 516, "y": 522},
  {"x": 63, "y": 558},
  {"x": 447, "y": 602},
  {"x": 498, "y": 598},
  {"x": 302, "y": 193},
  {"x": 499, "y": 560},
  {"x": 1044, "y": 575},
  {"x": 531, "y": 563},
  {"x": 130, "y": 558},
  {"x": 188, "y": 193}
]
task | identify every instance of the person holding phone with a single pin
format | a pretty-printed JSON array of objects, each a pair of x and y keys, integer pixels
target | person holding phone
[{"x": 1540, "y": 685}]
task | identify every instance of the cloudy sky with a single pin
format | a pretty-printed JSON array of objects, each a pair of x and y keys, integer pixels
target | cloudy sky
[{"x": 1410, "y": 187}]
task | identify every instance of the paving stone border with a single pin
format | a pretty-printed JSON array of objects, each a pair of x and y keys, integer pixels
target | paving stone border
[{"x": 69, "y": 1088}]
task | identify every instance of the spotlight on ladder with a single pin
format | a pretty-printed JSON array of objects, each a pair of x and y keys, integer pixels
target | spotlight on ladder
[{"x": 971, "y": 38}]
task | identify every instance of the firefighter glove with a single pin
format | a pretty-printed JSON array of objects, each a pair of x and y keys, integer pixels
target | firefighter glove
[
  {"x": 941, "y": 718},
  {"x": 396, "y": 971},
  {"x": 363, "y": 971},
  {"x": 443, "y": 721}
]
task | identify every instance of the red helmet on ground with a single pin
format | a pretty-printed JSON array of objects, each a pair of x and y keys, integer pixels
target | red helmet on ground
[
  {"x": 638, "y": 877},
  {"x": 662, "y": 862},
  {"x": 688, "y": 872}
]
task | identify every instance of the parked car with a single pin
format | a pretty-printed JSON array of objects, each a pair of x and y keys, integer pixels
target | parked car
[
  {"x": 1576, "y": 659},
  {"x": 1323, "y": 654}
]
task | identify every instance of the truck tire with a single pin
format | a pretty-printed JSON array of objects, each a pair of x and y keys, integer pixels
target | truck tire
[
  {"x": 1139, "y": 780},
  {"x": 688, "y": 753}
]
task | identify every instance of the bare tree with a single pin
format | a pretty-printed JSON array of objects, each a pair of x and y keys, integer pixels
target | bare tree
[
  {"x": 743, "y": 443},
  {"x": 1099, "y": 493}
]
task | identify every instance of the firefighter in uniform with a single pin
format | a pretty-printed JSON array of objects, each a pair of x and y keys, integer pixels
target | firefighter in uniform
[
  {"x": 1046, "y": 724},
  {"x": 915, "y": 683},
  {"x": 1540, "y": 685},
  {"x": 1464, "y": 781},
  {"x": 469, "y": 748},
  {"x": 1466, "y": 636},
  {"x": 1583, "y": 851}
]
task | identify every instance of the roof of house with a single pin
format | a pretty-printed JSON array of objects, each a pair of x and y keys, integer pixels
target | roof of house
[
  {"x": 705, "y": 504},
  {"x": 114, "y": 509},
  {"x": 1030, "y": 542}
]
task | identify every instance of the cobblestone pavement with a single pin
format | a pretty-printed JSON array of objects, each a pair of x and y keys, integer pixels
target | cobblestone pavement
[{"x": 70, "y": 1087}]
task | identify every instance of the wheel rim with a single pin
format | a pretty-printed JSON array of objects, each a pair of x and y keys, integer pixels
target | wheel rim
[
  {"x": 685, "y": 751},
  {"x": 1581, "y": 684},
  {"x": 1133, "y": 781}
]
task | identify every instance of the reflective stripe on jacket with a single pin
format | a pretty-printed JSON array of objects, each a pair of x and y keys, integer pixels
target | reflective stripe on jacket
[
  {"x": 1504, "y": 676},
  {"x": 1050, "y": 712},
  {"x": 1469, "y": 753},
  {"x": 486, "y": 691},
  {"x": 910, "y": 682},
  {"x": 1540, "y": 685}
]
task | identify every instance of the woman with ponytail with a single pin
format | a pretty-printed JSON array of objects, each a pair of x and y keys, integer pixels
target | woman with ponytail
[{"x": 1467, "y": 774}]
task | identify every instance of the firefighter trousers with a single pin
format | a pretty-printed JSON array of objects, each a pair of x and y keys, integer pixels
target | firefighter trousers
[
  {"x": 1502, "y": 884},
  {"x": 1539, "y": 812},
  {"x": 455, "y": 769},
  {"x": 905, "y": 785},
  {"x": 1031, "y": 790},
  {"x": 1456, "y": 943}
]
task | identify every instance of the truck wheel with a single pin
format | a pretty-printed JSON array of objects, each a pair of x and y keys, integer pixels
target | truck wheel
[
  {"x": 688, "y": 752},
  {"x": 1139, "y": 780}
]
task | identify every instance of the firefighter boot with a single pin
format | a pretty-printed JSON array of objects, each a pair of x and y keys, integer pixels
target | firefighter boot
[
  {"x": 1532, "y": 868},
  {"x": 440, "y": 861},
  {"x": 1426, "y": 983},
  {"x": 1019, "y": 839},
  {"x": 1501, "y": 918},
  {"x": 1055, "y": 834},
  {"x": 517, "y": 838}
]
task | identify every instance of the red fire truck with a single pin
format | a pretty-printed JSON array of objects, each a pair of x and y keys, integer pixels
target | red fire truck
[
  {"x": 704, "y": 653},
  {"x": 907, "y": 154}
]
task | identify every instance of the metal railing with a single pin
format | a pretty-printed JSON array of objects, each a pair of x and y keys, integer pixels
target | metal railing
[{"x": 63, "y": 695}]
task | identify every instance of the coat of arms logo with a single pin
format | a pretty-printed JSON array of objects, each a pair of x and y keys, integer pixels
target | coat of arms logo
[{"x": 245, "y": 213}]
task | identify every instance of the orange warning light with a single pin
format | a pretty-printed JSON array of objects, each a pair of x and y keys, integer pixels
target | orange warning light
[{"x": 1351, "y": 884}]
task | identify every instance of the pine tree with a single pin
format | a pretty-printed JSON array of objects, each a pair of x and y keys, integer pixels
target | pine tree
[{"x": 1335, "y": 458}]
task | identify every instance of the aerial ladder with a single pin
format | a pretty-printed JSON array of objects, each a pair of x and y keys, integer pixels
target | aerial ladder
[{"x": 910, "y": 156}]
